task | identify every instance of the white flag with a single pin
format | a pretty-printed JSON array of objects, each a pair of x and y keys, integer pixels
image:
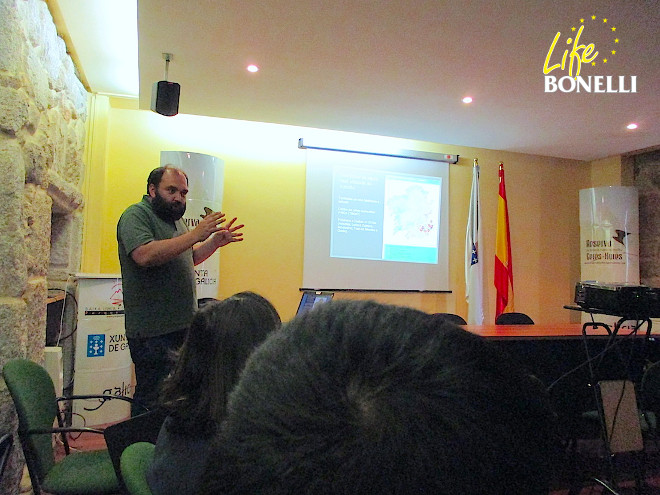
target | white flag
[{"x": 474, "y": 263}]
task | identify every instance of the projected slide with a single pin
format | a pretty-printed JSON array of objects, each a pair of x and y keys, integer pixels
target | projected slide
[{"x": 379, "y": 215}]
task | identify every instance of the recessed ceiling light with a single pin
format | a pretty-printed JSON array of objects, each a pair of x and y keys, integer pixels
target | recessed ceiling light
[
  {"x": 252, "y": 68},
  {"x": 632, "y": 126},
  {"x": 467, "y": 99}
]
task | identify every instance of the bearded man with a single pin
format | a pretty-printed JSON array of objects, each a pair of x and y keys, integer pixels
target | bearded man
[{"x": 157, "y": 254}]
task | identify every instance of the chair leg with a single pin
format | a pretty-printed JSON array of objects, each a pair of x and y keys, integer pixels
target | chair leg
[
  {"x": 34, "y": 482},
  {"x": 34, "y": 479}
]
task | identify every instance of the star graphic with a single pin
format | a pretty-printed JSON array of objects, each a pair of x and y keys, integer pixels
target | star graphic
[
  {"x": 616, "y": 40},
  {"x": 613, "y": 52},
  {"x": 573, "y": 29},
  {"x": 593, "y": 63},
  {"x": 581, "y": 20},
  {"x": 604, "y": 60},
  {"x": 604, "y": 20},
  {"x": 613, "y": 29},
  {"x": 593, "y": 17}
]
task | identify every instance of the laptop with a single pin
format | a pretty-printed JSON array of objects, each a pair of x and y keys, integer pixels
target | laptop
[{"x": 311, "y": 298}]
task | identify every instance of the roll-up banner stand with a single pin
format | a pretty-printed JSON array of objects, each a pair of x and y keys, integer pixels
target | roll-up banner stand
[
  {"x": 205, "y": 185},
  {"x": 609, "y": 239},
  {"x": 102, "y": 360}
]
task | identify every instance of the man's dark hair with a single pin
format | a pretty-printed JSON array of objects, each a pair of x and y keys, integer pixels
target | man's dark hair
[
  {"x": 362, "y": 398},
  {"x": 156, "y": 175}
]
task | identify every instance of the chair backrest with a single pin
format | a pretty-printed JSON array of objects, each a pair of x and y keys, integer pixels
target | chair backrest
[
  {"x": 6, "y": 442},
  {"x": 458, "y": 320},
  {"x": 513, "y": 318},
  {"x": 135, "y": 461},
  {"x": 33, "y": 393},
  {"x": 142, "y": 428}
]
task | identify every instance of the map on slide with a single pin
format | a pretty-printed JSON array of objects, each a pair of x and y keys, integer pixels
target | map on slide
[
  {"x": 411, "y": 218},
  {"x": 411, "y": 213}
]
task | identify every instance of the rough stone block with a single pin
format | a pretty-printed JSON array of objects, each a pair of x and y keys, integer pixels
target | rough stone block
[
  {"x": 57, "y": 49},
  {"x": 38, "y": 158},
  {"x": 37, "y": 212},
  {"x": 66, "y": 197},
  {"x": 13, "y": 109},
  {"x": 12, "y": 41},
  {"x": 71, "y": 166},
  {"x": 7, "y": 409},
  {"x": 38, "y": 80},
  {"x": 76, "y": 94},
  {"x": 76, "y": 229},
  {"x": 35, "y": 321},
  {"x": 41, "y": 32},
  {"x": 13, "y": 273},
  {"x": 9, "y": 423},
  {"x": 66, "y": 243},
  {"x": 647, "y": 171},
  {"x": 13, "y": 334},
  {"x": 60, "y": 274},
  {"x": 30, "y": 15}
]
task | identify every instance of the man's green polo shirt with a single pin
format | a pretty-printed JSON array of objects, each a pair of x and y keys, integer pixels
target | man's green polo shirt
[{"x": 158, "y": 299}]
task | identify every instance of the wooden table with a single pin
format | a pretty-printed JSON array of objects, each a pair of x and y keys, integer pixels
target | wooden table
[
  {"x": 552, "y": 331},
  {"x": 556, "y": 331},
  {"x": 552, "y": 350}
]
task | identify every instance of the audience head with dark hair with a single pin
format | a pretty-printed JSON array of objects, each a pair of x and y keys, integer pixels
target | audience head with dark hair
[
  {"x": 364, "y": 398},
  {"x": 220, "y": 338}
]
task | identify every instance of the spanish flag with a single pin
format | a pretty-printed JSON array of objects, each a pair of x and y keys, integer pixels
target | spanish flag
[{"x": 503, "y": 265}]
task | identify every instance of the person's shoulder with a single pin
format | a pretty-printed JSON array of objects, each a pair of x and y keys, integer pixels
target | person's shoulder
[{"x": 140, "y": 208}]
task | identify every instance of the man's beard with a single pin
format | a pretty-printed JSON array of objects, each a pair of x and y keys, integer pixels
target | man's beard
[{"x": 165, "y": 210}]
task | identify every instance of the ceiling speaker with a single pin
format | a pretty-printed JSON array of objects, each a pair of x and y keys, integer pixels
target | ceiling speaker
[{"x": 165, "y": 98}]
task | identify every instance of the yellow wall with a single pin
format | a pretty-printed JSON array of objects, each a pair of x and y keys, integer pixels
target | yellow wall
[
  {"x": 606, "y": 172},
  {"x": 264, "y": 187},
  {"x": 94, "y": 182}
]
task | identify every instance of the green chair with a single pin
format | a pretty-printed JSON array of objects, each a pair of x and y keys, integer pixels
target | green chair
[
  {"x": 37, "y": 407},
  {"x": 141, "y": 428},
  {"x": 135, "y": 460}
]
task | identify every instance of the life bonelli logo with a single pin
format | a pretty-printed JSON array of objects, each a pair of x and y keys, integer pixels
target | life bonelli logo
[{"x": 592, "y": 44}]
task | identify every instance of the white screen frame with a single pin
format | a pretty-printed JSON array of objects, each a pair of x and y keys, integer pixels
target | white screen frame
[{"x": 322, "y": 272}]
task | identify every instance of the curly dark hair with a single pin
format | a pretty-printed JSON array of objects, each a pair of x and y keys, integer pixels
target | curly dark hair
[{"x": 361, "y": 398}]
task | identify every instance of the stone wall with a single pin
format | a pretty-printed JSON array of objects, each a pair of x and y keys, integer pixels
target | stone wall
[
  {"x": 647, "y": 180},
  {"x": 43, "y": 108}
]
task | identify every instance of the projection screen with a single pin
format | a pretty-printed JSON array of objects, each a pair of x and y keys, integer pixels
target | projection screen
[{"x": 375, "y": 223}]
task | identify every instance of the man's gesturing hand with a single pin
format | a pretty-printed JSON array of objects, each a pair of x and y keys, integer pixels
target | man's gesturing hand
[
  {"x": 209, "y": 224},
  {"x": 229, "y": 233}
]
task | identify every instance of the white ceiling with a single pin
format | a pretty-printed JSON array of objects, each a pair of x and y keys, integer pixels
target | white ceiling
[{"x": 392, "y": 68}]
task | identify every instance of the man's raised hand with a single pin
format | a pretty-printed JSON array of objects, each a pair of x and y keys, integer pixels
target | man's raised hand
[
  {"x": 209, "y": 224},
  {"x": 229, "y": 233}
]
